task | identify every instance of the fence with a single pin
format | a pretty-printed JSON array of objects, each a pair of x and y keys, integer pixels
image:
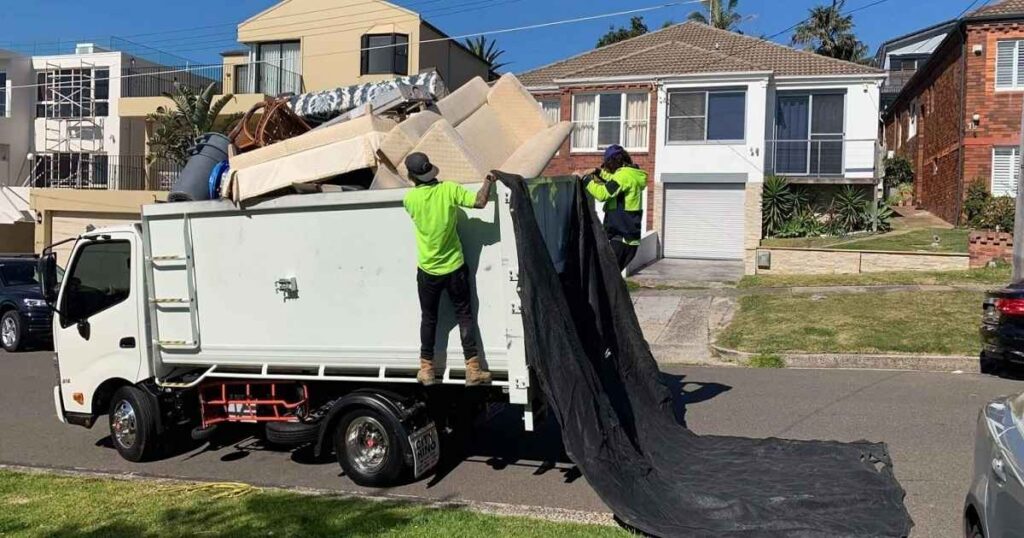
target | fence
[
  {"x": 266, "y": 78},
  {"x": 154, "y": 81},
  {"x": 97, "y": 171}
]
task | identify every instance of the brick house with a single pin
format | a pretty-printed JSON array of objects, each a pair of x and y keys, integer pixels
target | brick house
[
  {"x": 958, "y": 118},
  {"x": 708, "y": 113}
]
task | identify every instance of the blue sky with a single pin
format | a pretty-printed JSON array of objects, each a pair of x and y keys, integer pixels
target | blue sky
[{"x": 202, "y": 28}]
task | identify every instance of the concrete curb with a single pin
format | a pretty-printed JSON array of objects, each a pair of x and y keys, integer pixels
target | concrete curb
[
  {"x": 811, "y": 290},
  {"x": 886, "y": 361},
  {"x": 545, "y": 513}
]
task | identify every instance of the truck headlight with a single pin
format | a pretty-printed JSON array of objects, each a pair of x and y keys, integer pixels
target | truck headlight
[{"x": 34, "y": 303}]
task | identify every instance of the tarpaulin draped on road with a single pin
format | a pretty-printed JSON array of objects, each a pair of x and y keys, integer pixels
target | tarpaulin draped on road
[{"x": 596, "y": 371}]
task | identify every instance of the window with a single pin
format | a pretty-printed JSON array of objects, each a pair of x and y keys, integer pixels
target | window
[
  {"x": 100, "y": 277},
  {"x": 385, "y": 54},
  {"x": 712, "y": 116},
  {"x": 277, "y": 68},
  {"x": 73, "y": 93},
  {"x": 1009, "y": 65},
  {"x": 552, "y": 109},
  {"x": 601, "y": 120},
  {"x": 912, "y": 120},
  {"x": 1005, "y": 170},
  {"x": 18, "y": 273},
  {"x": 5, "y": 96},
  {"x": 71, "y": 170},
  {"x": 809, "y": 131}
]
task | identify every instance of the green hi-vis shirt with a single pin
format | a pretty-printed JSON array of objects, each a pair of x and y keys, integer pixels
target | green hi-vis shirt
[
  {"x": 434, "y": 211},
  {"x": 622, "y": 193}
]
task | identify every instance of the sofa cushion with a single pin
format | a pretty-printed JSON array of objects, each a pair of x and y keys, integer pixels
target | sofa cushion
[
  {"x": 450, "y": 153},
  {"x": 403, "y": 137},
  {"x": 487, "y": 137},
  {"x": 518, "y": 110},
  {"x": 532, "y": 157},
  {"x": 464, "y": 101}
]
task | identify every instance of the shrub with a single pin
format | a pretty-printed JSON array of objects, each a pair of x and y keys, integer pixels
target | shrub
[
  {"x": 776, "y": 205},
  {"x": 977, "y": 198},
  {"x": 877, "y": 216},
  {"x": 998, "y": 214},
  {"x": 803, "y": 223},
  {"x": 898, "y": 170},
  {"x": 848, "y": 209}
]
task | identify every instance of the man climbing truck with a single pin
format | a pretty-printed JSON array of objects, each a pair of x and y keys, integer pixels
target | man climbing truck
[
  {"x": 295, "y": 313},
  {"x": 619, "y": 184},
  {"x": 433, "y": 206}
]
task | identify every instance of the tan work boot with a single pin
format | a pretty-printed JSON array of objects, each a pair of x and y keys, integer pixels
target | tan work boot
[
  {"x": 475, "y": 375},
  {"x": 426, "y": 374}
]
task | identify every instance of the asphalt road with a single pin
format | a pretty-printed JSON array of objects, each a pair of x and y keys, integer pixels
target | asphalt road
[{"x": 927, "y": 419}]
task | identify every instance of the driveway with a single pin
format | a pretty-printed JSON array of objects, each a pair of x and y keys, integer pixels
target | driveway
[
  {"x": 690, "y": 273},
  {"x": 927, "y": 419}
]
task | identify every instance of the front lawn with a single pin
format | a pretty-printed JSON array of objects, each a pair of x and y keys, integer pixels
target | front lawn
[
  {"x": 918, "y": 240},
  {"x": 47, "y": 505},
  {"x": 989, "y": 276},
  {"x": 941, "y": 323}
]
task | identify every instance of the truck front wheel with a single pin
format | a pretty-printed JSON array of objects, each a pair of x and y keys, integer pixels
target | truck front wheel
[
  {"x": 369, "y": 448},
  {"x": 133, "y": 424}
]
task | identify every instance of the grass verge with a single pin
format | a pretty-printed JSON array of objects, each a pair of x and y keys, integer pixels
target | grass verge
[
  {"x": 47, "y": 505},
  {"x": 988, "y": 276},
  {"x": 940, "y": 323},
  {"x": 919, "y": 240},
  {"x": 766, "y": 360}
]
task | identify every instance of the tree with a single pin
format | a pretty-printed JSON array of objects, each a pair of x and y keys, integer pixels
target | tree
[
  {"x": 175, "y": 130},
  {"x": 721, "y": 14},
  {"x": 637, "y": 27},
  {"x": 830, "y": 33},
  {"x": 487, "y": 52}
]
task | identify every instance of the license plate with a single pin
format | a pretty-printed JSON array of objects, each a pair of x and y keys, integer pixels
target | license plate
[{"x": 426, "y": 450}]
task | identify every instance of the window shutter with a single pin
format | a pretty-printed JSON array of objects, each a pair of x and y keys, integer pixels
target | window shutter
[
  {"x": 1005, "y": 171},
  {"x": 1006, "y": 59},
  {"x": 1019, "y": 74}
]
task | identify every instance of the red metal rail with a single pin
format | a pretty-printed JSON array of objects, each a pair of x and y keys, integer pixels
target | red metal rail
[{"x": 252, "y": 401}]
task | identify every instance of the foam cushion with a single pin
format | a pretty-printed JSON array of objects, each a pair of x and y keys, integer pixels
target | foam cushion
[
  {"x": 531, "y": 158},
  {"x": 450, "y": 153},
  {"x": 403, "y": 137},
  {"x": 464, "y": 101},
  {"x": 386, "y": 179},
  {"x": 488, "y": 137},
  {"x": 518, "y": 110}
]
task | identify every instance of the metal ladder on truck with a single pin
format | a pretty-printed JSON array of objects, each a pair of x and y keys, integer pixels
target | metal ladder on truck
[{"x": 173, "y": 272}]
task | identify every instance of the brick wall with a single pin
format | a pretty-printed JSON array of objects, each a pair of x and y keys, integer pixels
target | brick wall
[
  {"x": 985, "y": 246},
  {"x": 566, "y": 161}
]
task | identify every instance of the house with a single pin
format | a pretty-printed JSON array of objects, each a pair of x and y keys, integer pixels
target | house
[
  {"x": 92, "y": 163},
  {"x": 709, "y": 113},
  {"x": 901, "y": 56},
  {"x": 958, "y": 118},
  {"x": 16, "y": 221}
]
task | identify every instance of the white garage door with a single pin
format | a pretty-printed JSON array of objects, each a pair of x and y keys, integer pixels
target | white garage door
[{"x": 704, "y": 220}]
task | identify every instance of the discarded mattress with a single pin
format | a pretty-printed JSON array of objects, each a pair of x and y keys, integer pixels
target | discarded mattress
[
  {"x": 475, "y": 129},
  {"x": 584, "y": 345},
  {"x": 321, "y": 106}
]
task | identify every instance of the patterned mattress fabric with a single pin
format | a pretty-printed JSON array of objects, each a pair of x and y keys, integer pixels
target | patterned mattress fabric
[{"x": 319, "y": 107}]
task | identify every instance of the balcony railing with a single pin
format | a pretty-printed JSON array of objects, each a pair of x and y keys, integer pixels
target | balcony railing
[
  {"x": 97, "y": 171},
  {"x": 823, "y": 157},
  {"x": 266, "y": 78},
  {"x": 154, "y": 81}
]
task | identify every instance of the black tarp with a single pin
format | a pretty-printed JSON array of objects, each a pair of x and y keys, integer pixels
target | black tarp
[{"x": 600, "y": 381}]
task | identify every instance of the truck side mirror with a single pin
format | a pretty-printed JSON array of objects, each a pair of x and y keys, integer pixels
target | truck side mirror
[{"x": 47, "y": 269}]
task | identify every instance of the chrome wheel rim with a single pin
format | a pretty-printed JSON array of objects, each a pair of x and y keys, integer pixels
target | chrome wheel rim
[
  {"x": 122, "y": 424},
  {"x": 367, "y": 444},
  {"x": 8, "y": 331}
]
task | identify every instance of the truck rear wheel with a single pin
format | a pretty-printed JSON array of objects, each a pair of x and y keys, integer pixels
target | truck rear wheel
[
  {"x": 370, "y": 449},
  {"x": 133, "y": 424}
]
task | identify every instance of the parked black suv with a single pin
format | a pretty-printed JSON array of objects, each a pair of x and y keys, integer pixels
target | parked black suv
[{"x": 24, "y": 315}]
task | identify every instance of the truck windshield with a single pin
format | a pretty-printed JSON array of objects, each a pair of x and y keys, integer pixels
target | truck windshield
[{"x": 18, "y": 273}]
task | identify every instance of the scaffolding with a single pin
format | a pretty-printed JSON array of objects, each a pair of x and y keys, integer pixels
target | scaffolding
[{"x": 73, "y": 154}]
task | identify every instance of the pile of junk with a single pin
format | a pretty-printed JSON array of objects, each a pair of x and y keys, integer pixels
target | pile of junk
[{"x": 357, "y": 138}]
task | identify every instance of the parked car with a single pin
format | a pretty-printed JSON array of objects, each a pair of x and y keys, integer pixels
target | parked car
[
  {"x": 1002, "y": 329},
  {"x": 24, "y": 315},
  {"x": 995, "y": 503}
]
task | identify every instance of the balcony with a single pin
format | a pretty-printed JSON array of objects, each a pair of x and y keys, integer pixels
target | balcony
[
  {"x": 99, "y": 171},
  {"x": 155, "y": 81},
  {"x": 265, "y": 78},
  {"x": 828, "y": 159}
]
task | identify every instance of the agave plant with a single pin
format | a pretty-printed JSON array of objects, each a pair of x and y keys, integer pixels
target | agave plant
[
  {"x": 876, "y": 216},
  {"x": 776, "y": 205},
  {"x": 848, "y": 208},
  {"x": 176, "y": 129}
]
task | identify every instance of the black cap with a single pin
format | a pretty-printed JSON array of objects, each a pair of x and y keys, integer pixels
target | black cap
[{"x": 420, "y": 168}]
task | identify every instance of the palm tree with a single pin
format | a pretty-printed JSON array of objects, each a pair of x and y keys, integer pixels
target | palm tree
[
  {"x": 487, "y": 52},
  {"x": 175, "y": 130},
  {"x": 721, "y": 14},
  {"x": 830, "y": 33}
]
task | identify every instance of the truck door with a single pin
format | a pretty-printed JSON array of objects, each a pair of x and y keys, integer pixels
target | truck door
[{"x": 96, "y": 333}]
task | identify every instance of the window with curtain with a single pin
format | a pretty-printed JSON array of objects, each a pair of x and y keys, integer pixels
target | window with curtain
[
  {"x": 385, "y": 54},
  {"x": 278, "y": 67},
  {"x": 552, "y": 109},
  {"x": 5, "y": 104},
  {"x": 1009, "y": 65},
  {"x": 809, "y": 131},
  {"x": 601, "y": 120},
  {"x": 706, "y": 116},
  {"x": 1005, "y": 170}
]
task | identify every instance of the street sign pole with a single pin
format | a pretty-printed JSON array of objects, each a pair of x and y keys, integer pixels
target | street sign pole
[{"x": 1018, "y": 220}]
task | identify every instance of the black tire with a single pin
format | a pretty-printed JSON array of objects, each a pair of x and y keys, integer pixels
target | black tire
[
  {"x": 292, "y": 433},
  {"x": 972, "y": 529},
  {"x": 141, "y": 444},
  {"x": 11, "y": 320},
  {"x": 990, "y": 365},
  {"x": 392, "y": 468}
]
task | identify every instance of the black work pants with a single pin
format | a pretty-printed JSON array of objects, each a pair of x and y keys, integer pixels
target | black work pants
[
  {"x": 623, "y": 253},
  {"x": 430, "y": 288}
]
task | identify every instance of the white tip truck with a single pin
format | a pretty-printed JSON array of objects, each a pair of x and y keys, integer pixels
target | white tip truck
[{"x": 298, "y": 312}]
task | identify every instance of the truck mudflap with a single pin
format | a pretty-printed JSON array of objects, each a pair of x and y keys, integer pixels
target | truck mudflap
[{"x": 584, "y": 344}]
